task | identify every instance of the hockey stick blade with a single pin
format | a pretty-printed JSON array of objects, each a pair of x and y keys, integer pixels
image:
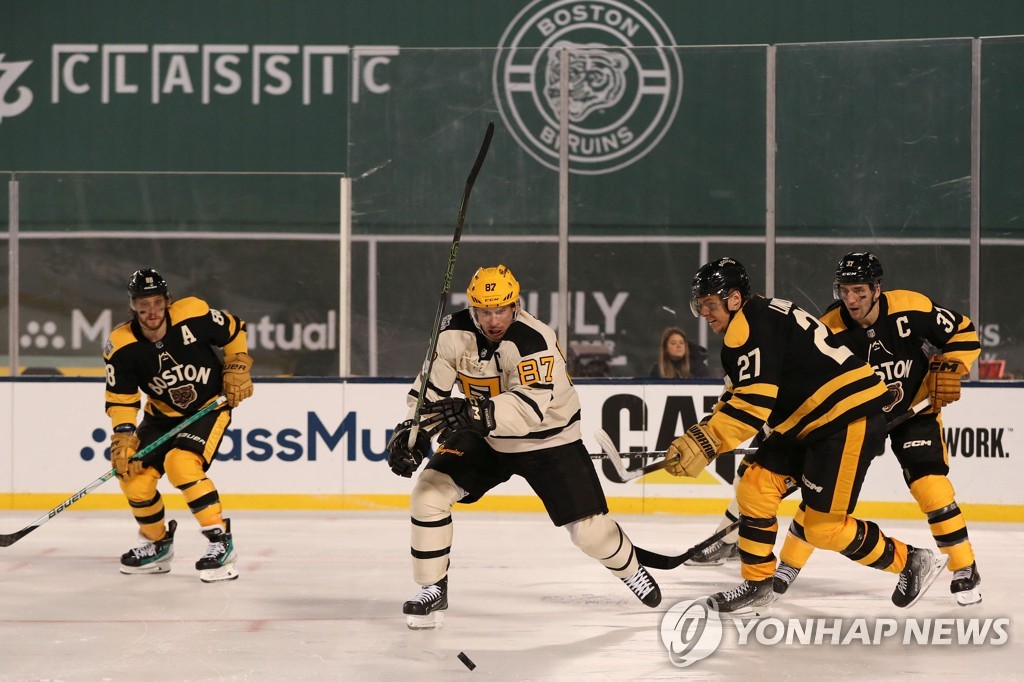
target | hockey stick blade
[
  {"x": 10, "y": 539},
  {"x": 665, "y": 562},
  {"x": 428, "y": 362}
]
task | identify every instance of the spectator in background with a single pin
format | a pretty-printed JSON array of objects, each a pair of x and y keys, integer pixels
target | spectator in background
[{"x": 679, "y": 358}]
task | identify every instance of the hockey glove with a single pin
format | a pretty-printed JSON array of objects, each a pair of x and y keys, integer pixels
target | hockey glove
[
  {"x": 402, "y": 459},
  {"x": 943, "y": 380},
  {"x": 236, "y": 378},
  {"x": 692, "y": 451},
  {"x": 448, "y": 416},
  {"x": 123, "y": 446}
]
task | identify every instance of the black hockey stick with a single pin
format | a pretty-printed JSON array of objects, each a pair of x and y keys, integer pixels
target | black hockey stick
[
  {"x": 446, "y": 286},
  {"x": 8, "y": 540},
  {"x": 624, "y": 475},
  {"x": 661, "y": 561},
  {"x": 666, "y": 563}
]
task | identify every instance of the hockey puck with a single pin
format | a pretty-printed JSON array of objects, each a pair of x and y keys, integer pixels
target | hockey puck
[{"x": 465, "y": 659}]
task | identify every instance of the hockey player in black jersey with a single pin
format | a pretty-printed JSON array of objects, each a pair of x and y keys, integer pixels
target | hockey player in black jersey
[
  {"x": 823, "y": 406},
  {"x": 520, "y": 415},
  {"x": 167, "y": 352},
  {"x": 891, "y": 329}
]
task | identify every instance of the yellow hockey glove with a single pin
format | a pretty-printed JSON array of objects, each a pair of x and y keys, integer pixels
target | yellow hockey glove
[
  {"x": 943, "y": 380},
  {"x": 123, "y": 446},
  {"x": 689, "y": 454},
  {"x": 236, "y": 378}
]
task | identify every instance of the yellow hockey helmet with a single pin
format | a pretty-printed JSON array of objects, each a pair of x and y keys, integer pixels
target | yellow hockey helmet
[{"x": 493, "y": 288}]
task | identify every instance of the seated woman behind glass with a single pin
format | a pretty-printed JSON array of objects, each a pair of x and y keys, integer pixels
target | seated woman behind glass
[{"x": 679, "y": 358}]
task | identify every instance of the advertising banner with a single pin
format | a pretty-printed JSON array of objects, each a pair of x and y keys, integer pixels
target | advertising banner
[{"x": 323, "y": 444}]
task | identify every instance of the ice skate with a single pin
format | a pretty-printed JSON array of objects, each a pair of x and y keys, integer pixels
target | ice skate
[
  {"x": 784, "y": 577},
  {"x": 426, "y": 610},
  {"x": 218, "y": 563},
  {"x": 715, "y": 554},
  {"x": 966, "y": 585},
  {"x": 923, "y": 567},
  {"x": 150, "y": 556},
  {"x": 644, "y": 587},
  {"x": 749, "y": 598}
]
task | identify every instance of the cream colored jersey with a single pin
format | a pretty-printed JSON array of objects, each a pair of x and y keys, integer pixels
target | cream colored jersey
[{"x": 535, "y": 404}]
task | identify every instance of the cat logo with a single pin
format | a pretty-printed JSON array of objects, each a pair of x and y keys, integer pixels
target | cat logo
[{"x": 621, "y": 101}]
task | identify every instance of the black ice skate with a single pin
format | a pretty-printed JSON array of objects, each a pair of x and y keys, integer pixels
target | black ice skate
[
  {"x": 784, "y": 577},
  {"x": 219, "y": 561},
  {"x": 426, "y": 610},
  {"x": 748, "y": 598},
  {"x": 715, "y": 554},
  {"x": 966, "y": 585},
  {"x": 149, "y": 556},
  {"x": 923, "y": 567},
  {"x": 644, "y": 587}
]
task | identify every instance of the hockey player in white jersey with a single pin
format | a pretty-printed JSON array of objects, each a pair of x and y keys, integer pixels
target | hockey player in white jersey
[{"x": 519, "y": 414}]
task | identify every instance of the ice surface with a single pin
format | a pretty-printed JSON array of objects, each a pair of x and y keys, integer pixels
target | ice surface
[{"x": 320, "y": 595}]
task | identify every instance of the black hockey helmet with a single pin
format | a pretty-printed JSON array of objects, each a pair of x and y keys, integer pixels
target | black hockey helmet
[
  {"x": 146, "y": 282},
  {"x": 858, "y": 267},
  {"x": 721, "y": 277}
]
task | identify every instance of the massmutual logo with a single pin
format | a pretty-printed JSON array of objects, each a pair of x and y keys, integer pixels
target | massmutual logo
[{"x": 625, "y": 81}]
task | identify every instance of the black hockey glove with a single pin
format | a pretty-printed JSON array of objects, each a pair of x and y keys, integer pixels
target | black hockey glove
[
  {"x": 451, "y": 415},
  {"x": 402, "y": 459}
]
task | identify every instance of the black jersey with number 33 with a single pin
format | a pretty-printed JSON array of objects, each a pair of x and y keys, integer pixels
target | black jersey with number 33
[
  {"x": 180, "y": 373},
  {"x": 787, "y": 370}
]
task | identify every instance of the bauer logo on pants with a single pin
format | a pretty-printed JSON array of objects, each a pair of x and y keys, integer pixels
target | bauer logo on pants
[
  {"x": 622, "y": 99},
  {"x": 691, "y": 631}
]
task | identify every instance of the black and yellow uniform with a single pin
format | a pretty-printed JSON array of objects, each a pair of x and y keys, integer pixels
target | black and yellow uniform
[
  {"x": 894, "y": 346},
  {"x": 822, "y": 402},
  {"x": 180, "y": 374}
]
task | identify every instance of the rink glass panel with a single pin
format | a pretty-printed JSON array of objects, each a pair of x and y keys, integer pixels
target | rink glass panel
[
  {"x": 411, "y": 154},
  {"x": 1002, "y": 204},
  {"x": 263, "y": 246},
  {"x": 872, "y": 152},
  {"x": 874, "y": 155},
  {"x": 5, "y": 294}
]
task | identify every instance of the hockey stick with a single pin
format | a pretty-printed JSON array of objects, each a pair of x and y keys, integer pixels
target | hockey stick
[
  {"x": 660, "y": 561},
  {"x": 8, "y": 540},
  {"x": 666, "y": 563},
  {"x": 624, "y": 475},
  {"x": 446, "y": 286}
]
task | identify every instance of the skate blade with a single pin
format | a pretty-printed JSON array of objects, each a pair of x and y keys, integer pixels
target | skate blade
[
  {"x": 938, "y": 564},
  {"x": 713, "y": 562},
  {"x": 431, "y": 621},
  {"x": 145, "y": 570},
  {"x": 969, "y": 597},
  {"x": 216, "y": 575},
  {"x": 753, "y": 611}
]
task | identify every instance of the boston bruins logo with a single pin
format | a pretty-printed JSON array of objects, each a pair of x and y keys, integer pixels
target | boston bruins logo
[
  {"x": 183, "y": 396},
  {"x": 895, "y": 395},
  {"x": 597, "y": 79},
  {"x": 622, "y": 98}
]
